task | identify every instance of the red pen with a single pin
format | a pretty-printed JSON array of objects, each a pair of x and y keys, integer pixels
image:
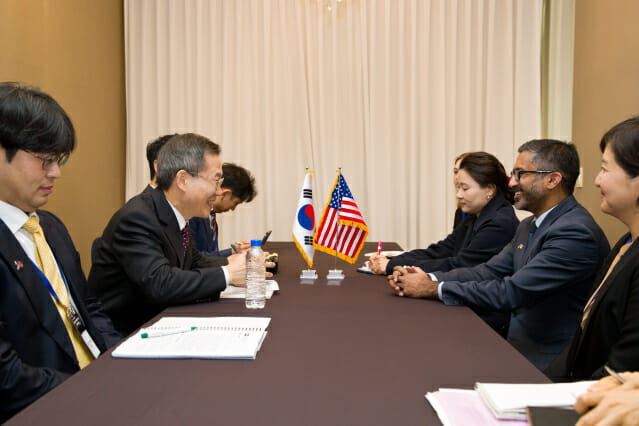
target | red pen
[{"x": 379, "y": 247}]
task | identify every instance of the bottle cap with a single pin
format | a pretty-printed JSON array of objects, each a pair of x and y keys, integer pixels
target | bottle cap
[{"x": 256, "y": 243}]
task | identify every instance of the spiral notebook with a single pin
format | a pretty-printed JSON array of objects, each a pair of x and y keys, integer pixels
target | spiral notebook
[{"x": 197, "y": 337}]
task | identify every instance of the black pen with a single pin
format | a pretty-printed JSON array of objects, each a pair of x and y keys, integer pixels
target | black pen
[{"x": 614, "y": 374}]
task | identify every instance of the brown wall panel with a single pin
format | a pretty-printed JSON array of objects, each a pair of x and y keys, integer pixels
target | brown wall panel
[
  {"x": 74, "y": 50},
  {"x": 606, "y": 87}
]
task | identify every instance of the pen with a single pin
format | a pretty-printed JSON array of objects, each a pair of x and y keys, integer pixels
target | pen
[
  {"x": 159, "y": 333},
  {"x": 379, "y": 247},
  {"x": 614, "y": 374},
  {"x": 234, "y": 247}
]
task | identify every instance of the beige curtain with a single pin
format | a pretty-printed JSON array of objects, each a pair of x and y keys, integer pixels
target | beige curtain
[
  {"x": 557, "y": 69},
  {"x": 388, "y": 90}
]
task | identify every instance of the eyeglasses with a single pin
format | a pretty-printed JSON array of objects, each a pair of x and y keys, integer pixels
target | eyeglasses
[
  {"x": 517, "y": 172},
  {"x": 48, "y": 160},
  {"x": 216, "y": 182}
]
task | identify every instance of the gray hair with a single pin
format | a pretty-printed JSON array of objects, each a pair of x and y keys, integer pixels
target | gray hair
[{"x": 183, "y": 152}]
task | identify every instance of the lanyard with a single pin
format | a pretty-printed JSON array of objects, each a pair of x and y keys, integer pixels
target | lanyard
[{"x": 71, "y": 310}]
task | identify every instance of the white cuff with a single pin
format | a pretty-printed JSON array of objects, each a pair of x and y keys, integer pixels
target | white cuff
[{"x": 227, "y": 277}]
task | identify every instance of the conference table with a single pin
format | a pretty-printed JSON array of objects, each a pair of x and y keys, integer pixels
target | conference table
[{"x": 345, "y": 352}]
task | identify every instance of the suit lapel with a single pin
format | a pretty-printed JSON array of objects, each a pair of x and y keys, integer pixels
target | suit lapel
[
  {"x": 558, "y": 211},
  {"x": 620, "y": 266},
  {"x": 523, "y": 253},
  {"x": 28, "y": 277},
  {"x": 471, "y": 232},
  {"x": 169, "y": 221}
]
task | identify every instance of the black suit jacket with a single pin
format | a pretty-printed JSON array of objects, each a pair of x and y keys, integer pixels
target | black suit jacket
[
  {"x": 36, "y": 353},
  {"x": 139, "y": 267},
  {"x": 611, "y": 332},
  {"x": 473, "y": 241}
]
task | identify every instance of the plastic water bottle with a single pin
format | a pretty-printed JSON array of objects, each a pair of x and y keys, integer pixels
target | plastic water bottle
[{"x": 255, "y": 276}]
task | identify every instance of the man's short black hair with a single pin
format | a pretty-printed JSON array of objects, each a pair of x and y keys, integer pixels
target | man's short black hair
[
  {"x": 31, "y": 120},
  {"x": 239, "y": 181},
  {"x": 152, "y": 149},
  {"x": 558, "y": 156}
]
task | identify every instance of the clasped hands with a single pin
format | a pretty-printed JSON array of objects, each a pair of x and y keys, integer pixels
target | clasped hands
[{"x": 412, "y": 281}]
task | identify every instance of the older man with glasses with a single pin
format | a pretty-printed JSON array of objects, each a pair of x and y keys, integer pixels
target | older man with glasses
[
  {"x": 542, "y": 277},
  {"x": 145, "y": 260}
]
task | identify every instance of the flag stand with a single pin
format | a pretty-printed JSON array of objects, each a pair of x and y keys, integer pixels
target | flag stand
[
  {"x": 336, "y": 274},
  {"x": 309, "y": 274}
]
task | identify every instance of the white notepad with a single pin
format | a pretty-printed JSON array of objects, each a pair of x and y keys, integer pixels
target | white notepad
[
  {"x": 213, "y": 337},
  {"x": 509, "y": 401}
]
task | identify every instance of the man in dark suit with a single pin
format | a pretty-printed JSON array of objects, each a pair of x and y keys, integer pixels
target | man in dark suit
[
  {"x": 543, "y": 275},
  {"x": 238, "y": 187},
  {"x": 50, "y": 327},
  {"x": 145, "y": 259}
]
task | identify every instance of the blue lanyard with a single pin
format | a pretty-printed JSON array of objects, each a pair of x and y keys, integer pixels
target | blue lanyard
[
  {"x": 629, "y": 240},
  {"x": 50, "y": 288}
]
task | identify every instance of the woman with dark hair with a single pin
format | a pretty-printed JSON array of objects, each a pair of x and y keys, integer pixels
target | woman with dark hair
[
  {"x": 459, "y": 214},
  {"x": 490, "y": 223},
  {"x": 609, "y": 330}
]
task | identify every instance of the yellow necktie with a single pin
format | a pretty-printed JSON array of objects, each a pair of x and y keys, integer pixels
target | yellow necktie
[
  {"x": 47, "y": 265},
  {"x": 622, "y": 250}
]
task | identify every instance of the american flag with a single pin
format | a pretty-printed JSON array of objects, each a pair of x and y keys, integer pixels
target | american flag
[{"x": 342, "y": 230}]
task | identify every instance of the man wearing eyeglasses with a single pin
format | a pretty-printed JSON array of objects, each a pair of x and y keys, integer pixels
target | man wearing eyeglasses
[
  {"x": 49, "y": 325},
  {"x": 238, "y": 187},
  {"x": 145, "y": 260},
  {"x": 543, "y": 275}
]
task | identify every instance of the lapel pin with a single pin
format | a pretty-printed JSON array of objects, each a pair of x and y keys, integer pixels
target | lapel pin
[
  {"x": 18, "y": 264},
  {"x": 520, "y": 246}
]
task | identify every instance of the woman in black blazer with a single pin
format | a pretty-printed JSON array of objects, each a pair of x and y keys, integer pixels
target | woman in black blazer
[
  {"x": 490, "y": 223},
  {"x": 609, "y": 330}
]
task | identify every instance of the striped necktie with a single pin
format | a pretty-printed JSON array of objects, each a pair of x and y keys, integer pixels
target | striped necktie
[{"x": 47, "y": 265}]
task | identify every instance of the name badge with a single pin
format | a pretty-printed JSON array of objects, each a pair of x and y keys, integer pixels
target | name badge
[{"x": 83, "y": 332}]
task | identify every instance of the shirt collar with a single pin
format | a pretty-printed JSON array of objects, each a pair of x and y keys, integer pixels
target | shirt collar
[
  {"x": 178, "y": 215},
  {"x": 13, "y": 217},
  {"x": 541, "y": 218}
]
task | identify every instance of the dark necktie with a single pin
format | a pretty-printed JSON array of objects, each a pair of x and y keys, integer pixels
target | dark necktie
[
  {"x": 185, "y": 238},
  {"x": 213, "y": 229},
  {"x": 532, "y": 231}
]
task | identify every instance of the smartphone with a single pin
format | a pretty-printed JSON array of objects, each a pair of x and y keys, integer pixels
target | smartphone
[{"x": 265, "y": 238}]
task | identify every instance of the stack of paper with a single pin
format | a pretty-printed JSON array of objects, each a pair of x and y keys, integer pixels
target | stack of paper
[
  {"x": 462, "y": 407},
  {"x": 509, "y": 401},
  {"x": 233, "y": 292},
  {"x": 195, "y": 337},
  {"x": 501, "y": 403}
]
